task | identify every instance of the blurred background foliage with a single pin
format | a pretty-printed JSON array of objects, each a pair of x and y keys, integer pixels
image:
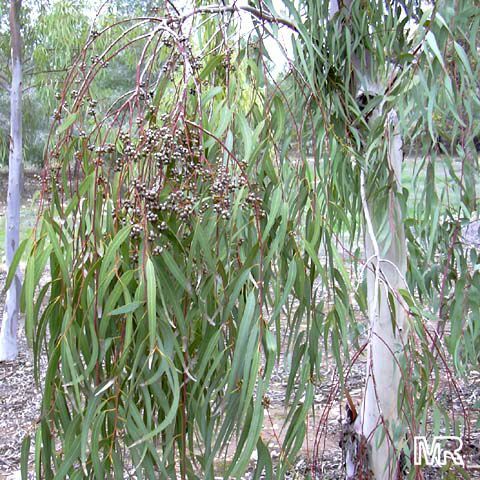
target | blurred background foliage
[{"x": 54, "y": 31}]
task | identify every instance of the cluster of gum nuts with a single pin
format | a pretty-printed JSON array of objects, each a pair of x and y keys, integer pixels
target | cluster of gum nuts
[{"x": 181, "y": 185}]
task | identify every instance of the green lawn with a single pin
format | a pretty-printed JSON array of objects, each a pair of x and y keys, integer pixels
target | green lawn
[
  {"x": 446, "y": 188},
  {"x": 27, "y": 220}
]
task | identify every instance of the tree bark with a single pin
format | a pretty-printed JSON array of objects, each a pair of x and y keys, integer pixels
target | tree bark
[
  {"x": 8, "y": 332},
  {"x": 369, "y": 439},
  {"x": 379, "y": 413}
]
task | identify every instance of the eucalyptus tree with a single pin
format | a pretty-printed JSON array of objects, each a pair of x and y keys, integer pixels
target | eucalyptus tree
[
  {"x": 160, "y": 253},
  {"x": 383, "y": 231},
  {"x": 8, "y": 331},
  {"x": 190, "y": 237},
  {"x": 369, "y": 70}
]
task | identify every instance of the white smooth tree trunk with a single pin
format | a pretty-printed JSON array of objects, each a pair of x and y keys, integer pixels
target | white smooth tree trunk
[
  {"x": 8, "y": 332},
  {"x": 379, "y": 414}
]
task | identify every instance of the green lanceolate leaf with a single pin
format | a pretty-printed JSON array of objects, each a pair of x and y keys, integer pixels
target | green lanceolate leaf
[
  {"x": 128, "y": 308},
  {"x": 24, "y": 457},
  {"x": 68, "y": 122},
  {"x": 151, "y": 283},
  {"x": 24, "y": 245}
]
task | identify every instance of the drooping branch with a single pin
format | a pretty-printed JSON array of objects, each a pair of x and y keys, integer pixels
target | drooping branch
[{"x": 260, "y": 14}]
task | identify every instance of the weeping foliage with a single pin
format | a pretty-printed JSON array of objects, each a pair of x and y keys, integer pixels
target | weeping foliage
[
  {"x": 211, "y": 217},
  {"x": 158, "y": 311},
  {"x": 419, "y": 63}
]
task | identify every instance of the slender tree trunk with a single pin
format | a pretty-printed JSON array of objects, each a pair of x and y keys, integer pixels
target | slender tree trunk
[
  {"x": 379, "y": 414},
  {"x": 371, "y": 439},
  {"x": 370, "y": 449},
  {"x": 8, "y": 332}
]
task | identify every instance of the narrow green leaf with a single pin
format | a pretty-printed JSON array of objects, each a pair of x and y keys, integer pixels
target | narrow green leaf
[
  {"x": 128, "y": 308},
  {"x": 67, "y": 122},
  {"x": 176, "y": 271},
  {"x": 432, "y": 43},
  {"x": 15, "y": 262},
  {"x": 25, "y": 450},
  {"x": 151, "y": 303}
]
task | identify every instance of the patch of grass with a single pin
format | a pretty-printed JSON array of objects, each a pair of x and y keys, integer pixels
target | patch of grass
[
  {"x": 447, "y": 190},
  {"x": 27, "y": 220}
]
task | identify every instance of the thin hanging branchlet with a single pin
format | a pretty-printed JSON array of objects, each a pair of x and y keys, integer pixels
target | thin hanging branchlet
[{"x": 131, "y": 197}]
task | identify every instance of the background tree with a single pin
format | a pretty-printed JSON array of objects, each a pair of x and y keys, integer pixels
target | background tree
[{"x": 8, "y": 331}]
